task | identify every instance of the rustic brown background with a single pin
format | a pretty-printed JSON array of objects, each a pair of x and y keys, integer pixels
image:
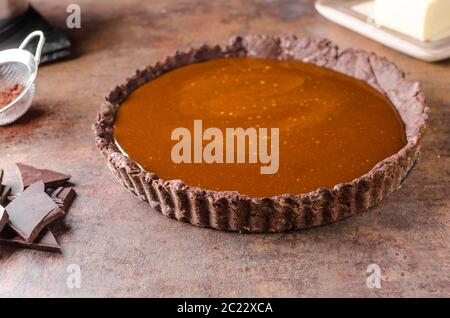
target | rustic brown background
[{"x": 126, "y": 249}]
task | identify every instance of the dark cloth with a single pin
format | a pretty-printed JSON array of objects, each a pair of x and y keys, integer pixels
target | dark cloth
[{"x": 57, "y": 45}]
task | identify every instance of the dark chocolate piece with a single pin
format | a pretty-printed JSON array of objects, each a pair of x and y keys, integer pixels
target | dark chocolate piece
[
  {"x": 5, "y": 191},
  {"x": 64, "y": 197},
  {"x": 50, "y": 178},
  {"x": 31, "y": 212},
  {"x": 41, "y": 186},
  {"x": 4, "y": 218},
  {"x": 54, "y": 215},
  {"x": 45, "y": 242}
]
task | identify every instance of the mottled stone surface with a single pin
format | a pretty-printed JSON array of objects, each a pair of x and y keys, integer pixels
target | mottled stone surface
[{"x": 125, "y": 249}]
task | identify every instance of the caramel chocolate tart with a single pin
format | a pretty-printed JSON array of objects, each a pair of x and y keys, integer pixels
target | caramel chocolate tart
[{"x": 350, "y": 126}]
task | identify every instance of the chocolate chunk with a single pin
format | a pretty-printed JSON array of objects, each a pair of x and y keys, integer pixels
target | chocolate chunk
[
  {"x": 64, "y": 197},
  {"x": 45, "y": 242},
  {"x": 4, "y": 218},
  {"x": 41, "y": 186},
  {"x": 32, "y": 211},
  {"x": 12, "y": 197},
  {"x": 5, "y": 191},
  {"x": 50, "y": 178},
  {"x": 54, "y": 215}
]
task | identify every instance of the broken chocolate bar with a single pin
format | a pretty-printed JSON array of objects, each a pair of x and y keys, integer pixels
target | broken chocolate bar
[
  {"x": 32, "y": 211},
  {"x": 28, "y": 220},
  {"x": 4, "y": 218},
  {"x": 5, "y": 191},
  {"x": 64, "y": 197},
  {"x": 50, "y": 178},
  {"x": 45, "y": 242}
]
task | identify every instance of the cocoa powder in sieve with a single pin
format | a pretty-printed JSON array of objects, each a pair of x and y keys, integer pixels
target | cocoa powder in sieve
[{"x": 10, "y": 94}]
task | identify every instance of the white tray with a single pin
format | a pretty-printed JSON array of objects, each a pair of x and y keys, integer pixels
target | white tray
[{"x": 343, "y": 13}]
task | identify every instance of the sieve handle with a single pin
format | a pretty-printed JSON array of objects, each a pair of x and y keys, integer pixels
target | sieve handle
[{"x": 37, "y": 55}]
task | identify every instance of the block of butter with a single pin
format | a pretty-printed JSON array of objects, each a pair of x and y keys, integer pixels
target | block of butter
[{"x": 424, "y": 20}]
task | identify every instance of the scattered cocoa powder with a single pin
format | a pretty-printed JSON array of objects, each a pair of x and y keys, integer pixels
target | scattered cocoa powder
[{"x": 10, "y": 94}]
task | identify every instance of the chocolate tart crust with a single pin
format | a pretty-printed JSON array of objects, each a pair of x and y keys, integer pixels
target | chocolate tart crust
[{"x": 236, "y": 212}]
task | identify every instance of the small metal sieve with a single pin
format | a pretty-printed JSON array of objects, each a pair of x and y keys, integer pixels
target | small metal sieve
[{"x": 19, "y": 66}]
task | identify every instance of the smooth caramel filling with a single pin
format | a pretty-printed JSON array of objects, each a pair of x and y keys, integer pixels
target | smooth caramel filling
[{"x": 333, "y": 128}]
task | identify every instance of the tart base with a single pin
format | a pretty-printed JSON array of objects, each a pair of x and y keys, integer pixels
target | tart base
[{"x": 232, "y": 211}]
